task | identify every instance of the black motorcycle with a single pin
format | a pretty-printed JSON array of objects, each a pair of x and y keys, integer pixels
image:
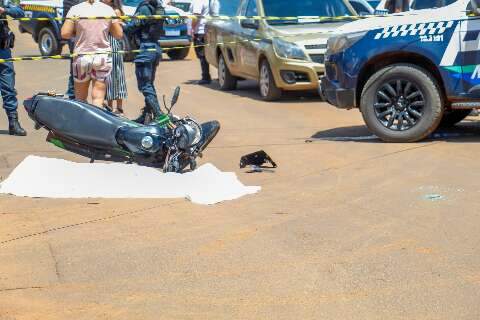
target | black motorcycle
[{"x": 168, "y": 142}]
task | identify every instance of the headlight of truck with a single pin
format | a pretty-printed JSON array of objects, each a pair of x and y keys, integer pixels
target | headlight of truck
[
  {"x": 288, "y": 50},
  {"x": 342, "y": 42}
]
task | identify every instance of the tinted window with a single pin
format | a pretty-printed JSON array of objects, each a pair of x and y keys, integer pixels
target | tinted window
[
  {"x": 305, "y": 8},
  {"x": 252, "y": 9},
  {"x": 229, "y": 7},
  {"x": 131, "y": 3},
  {"x": 359, "y": 7},
  {"x": 430, "y": 4},
  {"x": 185, "y": 6}
]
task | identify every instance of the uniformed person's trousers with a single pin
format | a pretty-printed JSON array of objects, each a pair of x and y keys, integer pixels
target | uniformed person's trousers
[
  {"x": 199, "y": 42},
  {"x": 146, "y": 64},
  {"x": 7, "y": 85}
]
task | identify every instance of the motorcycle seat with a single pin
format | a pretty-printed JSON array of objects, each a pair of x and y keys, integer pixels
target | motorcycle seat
[{"x": 78, "y": 121}]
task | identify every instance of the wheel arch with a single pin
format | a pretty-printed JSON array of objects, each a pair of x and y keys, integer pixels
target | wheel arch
[
  {"x": 51, "y": 24},
  {"x": 381, "y": 61}
]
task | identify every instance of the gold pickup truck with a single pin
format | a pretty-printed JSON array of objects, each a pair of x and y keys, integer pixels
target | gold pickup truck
[{"x": 281, "y": 54}]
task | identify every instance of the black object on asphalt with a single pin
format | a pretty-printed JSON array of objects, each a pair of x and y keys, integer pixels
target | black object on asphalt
[{"x": 257, "y": 159}]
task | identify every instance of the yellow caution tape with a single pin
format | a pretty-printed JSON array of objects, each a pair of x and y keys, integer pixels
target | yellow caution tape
[
  {"x": 73, "y": 55},
  {"x": 162, "y": 17}
]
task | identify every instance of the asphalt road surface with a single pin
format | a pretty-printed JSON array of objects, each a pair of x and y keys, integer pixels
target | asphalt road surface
[{"x": 346, "y": 227}]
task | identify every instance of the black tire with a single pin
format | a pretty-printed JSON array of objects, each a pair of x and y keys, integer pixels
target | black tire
[
  {"x": 226, "y": 80},
  {"x": 48, "y": 44},
  {"x": 452, "y": 117},
  {"x": 402, "y": 103},
  {"x": 268, "y": 88},
  {"x": 178, "y": 54}
]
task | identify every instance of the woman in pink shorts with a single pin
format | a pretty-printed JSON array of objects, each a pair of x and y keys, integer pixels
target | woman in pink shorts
[{"x": 91, "y": 36}]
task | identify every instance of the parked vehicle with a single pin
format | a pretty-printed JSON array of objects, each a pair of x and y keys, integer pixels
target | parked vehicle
[
  {"x": 47, "y": 33},
  {"x": 283, "y": 55},
  {"x": 409, "y": 72},
  {"x": 416, "y": 5},
  {"x": 182, "y": 5},
  {"x": 169, "y": 142}
]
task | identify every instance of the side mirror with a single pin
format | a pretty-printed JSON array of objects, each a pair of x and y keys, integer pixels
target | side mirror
[
  {"x": 176, "y": 94},
  {"x": 250, "y": 24}
]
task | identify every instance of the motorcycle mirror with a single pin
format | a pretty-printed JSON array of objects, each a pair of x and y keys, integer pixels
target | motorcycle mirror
[{"x": 175, "y": 97}]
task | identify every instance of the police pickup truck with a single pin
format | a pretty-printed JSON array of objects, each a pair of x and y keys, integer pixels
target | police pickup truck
[
  {"x": 407, "y": 73},
  {"x": 47, "y": 33}
]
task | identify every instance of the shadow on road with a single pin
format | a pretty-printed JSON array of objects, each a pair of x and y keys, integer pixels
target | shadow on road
[
  {"x": 466, "y": 131},
  {"x": 249, "y": 89},
  {"x": 4, "y": 132}
]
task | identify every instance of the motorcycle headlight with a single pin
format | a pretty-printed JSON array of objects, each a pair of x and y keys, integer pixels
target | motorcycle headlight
[
  {"x": 188, "y": 135},
  {"x": 338, "y": 43},
  {"x": 288, "y": 50}
]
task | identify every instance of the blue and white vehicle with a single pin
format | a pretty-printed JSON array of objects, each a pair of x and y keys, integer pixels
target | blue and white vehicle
[
  {"x": 415, "y": 5},
  {"x": 409, "y": 72},
  {"x": 47, "y": 33}
]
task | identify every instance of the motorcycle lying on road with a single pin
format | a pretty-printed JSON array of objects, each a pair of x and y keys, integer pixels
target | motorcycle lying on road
[{"x": 168, "y": 142}]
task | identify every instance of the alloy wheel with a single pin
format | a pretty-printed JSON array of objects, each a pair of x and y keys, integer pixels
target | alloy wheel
[
  {"x": 399, "y": 105},
  {"x": 264, "y": 80},
  {"x": 46, "y": 43},
  {"x": 221, "y": 72}
]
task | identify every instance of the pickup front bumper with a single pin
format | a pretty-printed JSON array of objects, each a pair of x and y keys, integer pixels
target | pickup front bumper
[{"x": 337, "y": 96}]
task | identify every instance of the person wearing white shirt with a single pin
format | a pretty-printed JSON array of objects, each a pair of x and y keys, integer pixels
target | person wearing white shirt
[{"x": 202, "y": 9}]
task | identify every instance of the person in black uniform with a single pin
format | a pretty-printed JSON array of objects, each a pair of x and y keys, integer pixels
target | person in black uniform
[
  {"x": 147, "y": 32},
  {"x": 7, "y": 72}
]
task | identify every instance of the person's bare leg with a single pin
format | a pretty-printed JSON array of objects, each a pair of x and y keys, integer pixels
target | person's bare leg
[
  {"x": 81, "y": 90},
  {"x": 99, "y": 89},
  {"x": 120, "y": 105},
  {"x": 110, "y": 104}
]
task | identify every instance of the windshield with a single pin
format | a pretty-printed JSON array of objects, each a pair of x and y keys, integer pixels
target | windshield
[
  {"x": 305, "y": 8},
  {"x": 131, "y": 3},
  {"x": 430, "y": 4},
  {"x": 228, "y": 7},
  {"x": 185, "y": 6}
]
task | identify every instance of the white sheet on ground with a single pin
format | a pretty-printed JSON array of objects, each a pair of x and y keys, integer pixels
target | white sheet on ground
[{"x": 56, "y": 178}]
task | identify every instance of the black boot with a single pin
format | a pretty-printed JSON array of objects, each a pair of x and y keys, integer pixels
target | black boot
[
  {"x": 144, "y": 117},
  {"x": 14, "y": 128}
]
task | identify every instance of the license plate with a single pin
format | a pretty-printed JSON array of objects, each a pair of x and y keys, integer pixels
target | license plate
[{"x": 172, "y": 33}]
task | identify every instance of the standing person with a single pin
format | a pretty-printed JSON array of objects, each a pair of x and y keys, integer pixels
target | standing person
[
  {"x": 116, "y": 84},
  {"x": 396, "y": 6},
  {"x": 202, "y": 9},
  {"x": 7, "y": 72},
  {"x": 91, "y": 36},
  {"x": 67, "y": 5},
  {"x": 147, "y": 32}
]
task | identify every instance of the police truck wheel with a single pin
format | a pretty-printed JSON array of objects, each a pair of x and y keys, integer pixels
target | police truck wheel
[
  {"x": 401, "y": 103},
  {"x": 268, "y": 89},
  {"x": 178, "y": 54},
  {"x": 48, "y": 44},
  {"x": 225, "y": 79},
  {"x": 452, "y": 117}
]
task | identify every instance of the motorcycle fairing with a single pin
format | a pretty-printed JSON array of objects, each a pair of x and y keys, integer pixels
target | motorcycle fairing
[{"x": 79, "y": 121}]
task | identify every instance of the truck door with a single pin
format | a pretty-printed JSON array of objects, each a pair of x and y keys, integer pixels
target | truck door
[
  {"x": 469, "y": 56},
  {"x": 247, "y": 45}
]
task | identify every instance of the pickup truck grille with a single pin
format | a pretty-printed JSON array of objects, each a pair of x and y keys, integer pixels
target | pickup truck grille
[
  {"x": 315, "y": 46},
  {"x": 318, "y": 58}
]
